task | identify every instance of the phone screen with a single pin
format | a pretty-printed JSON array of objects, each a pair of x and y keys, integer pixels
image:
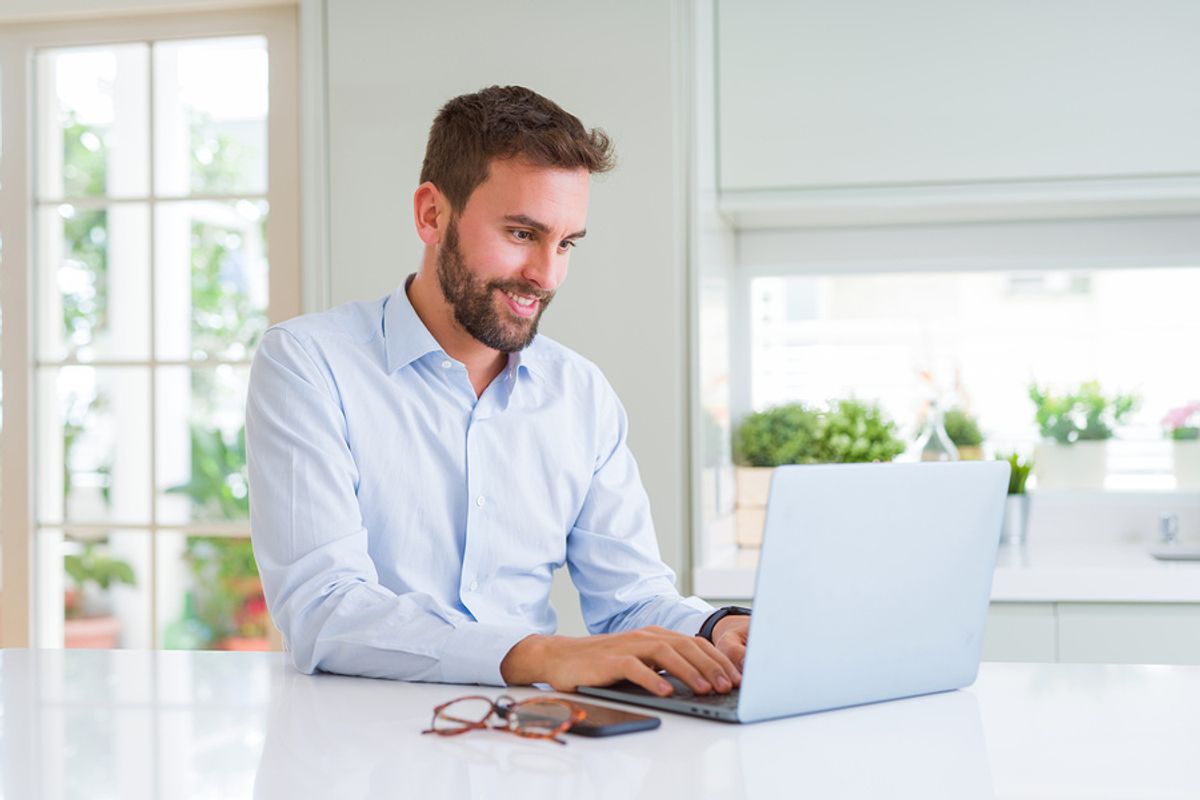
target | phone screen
[{"x": 608, "y": 721}]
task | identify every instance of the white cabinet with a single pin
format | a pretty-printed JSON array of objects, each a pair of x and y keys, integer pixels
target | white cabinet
[
  {"x": 1101, "y": 633},
  {"x": 826, "y": 94},
  {"x": 1127, "y": 633},
  {"x": 1020, "y": 632},
  {"x": 1108, "y": 633}
]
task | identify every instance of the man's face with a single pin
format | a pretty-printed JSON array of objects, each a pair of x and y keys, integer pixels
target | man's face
[{"x": 504, "y": 256}]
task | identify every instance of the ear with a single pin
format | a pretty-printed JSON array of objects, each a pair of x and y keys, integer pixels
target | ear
[{"x": 431, "y": 213}]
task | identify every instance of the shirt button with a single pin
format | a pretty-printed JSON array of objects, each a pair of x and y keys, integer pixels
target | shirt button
[
  {"x": 447, "y": 364},
  {"x": 479, "y": 501},
  {"x": 474, "y": 585}
]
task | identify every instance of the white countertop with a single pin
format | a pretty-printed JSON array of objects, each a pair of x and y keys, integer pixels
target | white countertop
[
  {"x": 142, "y": 724},
  {"x": 1048, "y": 571}
]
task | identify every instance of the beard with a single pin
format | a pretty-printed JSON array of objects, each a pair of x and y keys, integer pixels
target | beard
[{"x": 474, "y": 301}]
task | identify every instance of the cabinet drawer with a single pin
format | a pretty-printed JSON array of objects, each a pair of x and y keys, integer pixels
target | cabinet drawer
[
  {"x": 1127, "y": 633},
  {"x": 1019, "y": 632}
]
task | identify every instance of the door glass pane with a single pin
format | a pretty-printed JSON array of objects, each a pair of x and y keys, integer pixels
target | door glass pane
[
  {"x": 202, "y": 444},
  {"x": 209, "y": 594},
  {"x": 211, "y": 279},
  {"x": 94, "y": 589},
  {"x": 93, "y": 281},
  {"x": 93, "y": 453},
  {"x": 93, "y": 124},
  {"x": 210, "y": 107}
]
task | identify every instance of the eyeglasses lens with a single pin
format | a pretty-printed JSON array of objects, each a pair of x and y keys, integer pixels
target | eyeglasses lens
[{"x": 469, "y": 712}]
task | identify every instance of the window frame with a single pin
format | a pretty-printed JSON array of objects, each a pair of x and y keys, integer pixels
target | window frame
[{"x": 19, "y": 44}]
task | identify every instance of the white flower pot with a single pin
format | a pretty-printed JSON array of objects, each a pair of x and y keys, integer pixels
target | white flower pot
[
  {"x": 1082, "y": 465},
  {"x": 1187, "y": 464},
  {"x": 750, "y": 524},
  {"x": 1015, "y": 528},
  {"x": 753, "y": 486}
]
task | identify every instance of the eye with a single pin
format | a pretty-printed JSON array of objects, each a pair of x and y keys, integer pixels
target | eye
[
  {"x": 523, "y": 235},
  {"x": 566, "y": 244}
]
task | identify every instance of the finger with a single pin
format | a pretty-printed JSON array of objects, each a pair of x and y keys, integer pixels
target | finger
[
  {"x": 710, "y": 670},
  {"x": 716, "y": 665},
  {"x": 635, "y": 670},
  {"x": 736, "y": 652},
  {"x": 666, "y": 656}
]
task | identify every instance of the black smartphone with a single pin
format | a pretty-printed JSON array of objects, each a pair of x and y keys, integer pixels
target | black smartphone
[{"x": 608, "y": 721}]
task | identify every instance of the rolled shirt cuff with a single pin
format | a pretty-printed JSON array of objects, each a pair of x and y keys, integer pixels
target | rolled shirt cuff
[
  {"x": 473, "y": 652},
  {"x": 695, "y": 611}
]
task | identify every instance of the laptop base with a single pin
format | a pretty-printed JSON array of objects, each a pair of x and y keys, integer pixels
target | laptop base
[{"x": 721, "y": 707}]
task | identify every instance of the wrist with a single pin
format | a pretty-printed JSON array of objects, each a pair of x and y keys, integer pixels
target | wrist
[
  {"x": 725, "y": 624},
  {"x": 524, "y": 663}
]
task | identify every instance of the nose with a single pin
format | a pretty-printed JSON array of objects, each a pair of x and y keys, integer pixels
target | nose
[{"x": 545, "y": 268}]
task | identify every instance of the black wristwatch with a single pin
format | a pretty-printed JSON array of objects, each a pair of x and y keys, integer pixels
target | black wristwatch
[{"x": 721, "y": 613}]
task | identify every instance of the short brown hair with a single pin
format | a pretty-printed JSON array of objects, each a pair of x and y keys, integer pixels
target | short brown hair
[{"x": 500, "y": 122}]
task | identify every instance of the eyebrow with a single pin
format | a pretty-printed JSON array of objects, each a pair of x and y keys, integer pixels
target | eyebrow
[{"x": 540, "y": 227}]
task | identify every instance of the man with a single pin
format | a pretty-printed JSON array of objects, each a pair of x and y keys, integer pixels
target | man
[{"x": 420, "y": 465}]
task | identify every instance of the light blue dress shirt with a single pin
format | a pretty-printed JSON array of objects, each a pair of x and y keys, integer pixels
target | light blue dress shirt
[{"x": 405, "y": 529}]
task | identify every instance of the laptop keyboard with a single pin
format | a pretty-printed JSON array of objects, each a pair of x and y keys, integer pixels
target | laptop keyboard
[{"x": 683, "y": 692}]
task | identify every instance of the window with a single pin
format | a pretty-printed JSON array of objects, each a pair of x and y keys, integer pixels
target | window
[
  {"x": 161, "y": 241},
  {"x": 977, "y": 340}
]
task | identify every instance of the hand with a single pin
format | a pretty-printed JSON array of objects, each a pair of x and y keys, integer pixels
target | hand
[
  {"x": 568, "y": 662},
  {"x": 730, "y": 636}
]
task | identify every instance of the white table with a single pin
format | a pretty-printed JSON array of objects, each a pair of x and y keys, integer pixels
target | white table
[{"x": 142, "y": 724}]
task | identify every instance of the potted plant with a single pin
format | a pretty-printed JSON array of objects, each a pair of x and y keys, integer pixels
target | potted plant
[
  {"x": 225, "y": 608},
  {"x": 852, "y": 432},
  {"x": 1182, "y": 427},
  {"x": 1075, "y": 428},
  {"x": 848, "y": 431},
  {"x": 963, "y": 430},
  {"x": 1016, "y": 508},
  {"x": 89, "y": 621},
  {"x": 765, "y": 440},
  {"x": 227, "y": 597}
]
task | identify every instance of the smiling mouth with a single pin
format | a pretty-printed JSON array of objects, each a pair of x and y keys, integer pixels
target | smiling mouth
[{"x": 523, "y": 305}]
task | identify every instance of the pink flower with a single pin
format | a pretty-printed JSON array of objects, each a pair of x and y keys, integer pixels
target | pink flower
[{"x": 1187, "y": 416}]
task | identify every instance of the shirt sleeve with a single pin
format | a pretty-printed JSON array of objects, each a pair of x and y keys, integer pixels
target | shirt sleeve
[
  {"x": 612, "y": 551},
  {"x": 320, "y": 583}
]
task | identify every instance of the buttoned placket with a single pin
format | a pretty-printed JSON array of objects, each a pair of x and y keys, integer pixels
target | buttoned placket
[{"x": 477, "y": 547}]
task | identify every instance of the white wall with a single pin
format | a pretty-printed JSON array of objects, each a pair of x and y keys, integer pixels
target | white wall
[
  {"x": 391, "y": 65},
  {"x": 830, "y": 93}
]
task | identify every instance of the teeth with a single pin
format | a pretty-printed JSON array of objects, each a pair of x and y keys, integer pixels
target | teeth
[{"x": 522, "y": 301}]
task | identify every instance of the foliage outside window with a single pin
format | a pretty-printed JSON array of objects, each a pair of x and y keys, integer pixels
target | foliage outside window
[{"x": 225, "y": 601}]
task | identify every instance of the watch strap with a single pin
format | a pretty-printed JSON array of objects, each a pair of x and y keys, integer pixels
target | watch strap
[{"x": 706, "y": 629}]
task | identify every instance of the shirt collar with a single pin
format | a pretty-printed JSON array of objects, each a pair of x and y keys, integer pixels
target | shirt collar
[{"x": 407, "y": 339}]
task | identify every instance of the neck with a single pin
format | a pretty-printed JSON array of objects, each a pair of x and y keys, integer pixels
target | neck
[{"x": 482, "y": 362}]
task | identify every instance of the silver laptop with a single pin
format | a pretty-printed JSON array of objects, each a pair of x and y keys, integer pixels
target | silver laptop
[{"x": 873, "y": 584}]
